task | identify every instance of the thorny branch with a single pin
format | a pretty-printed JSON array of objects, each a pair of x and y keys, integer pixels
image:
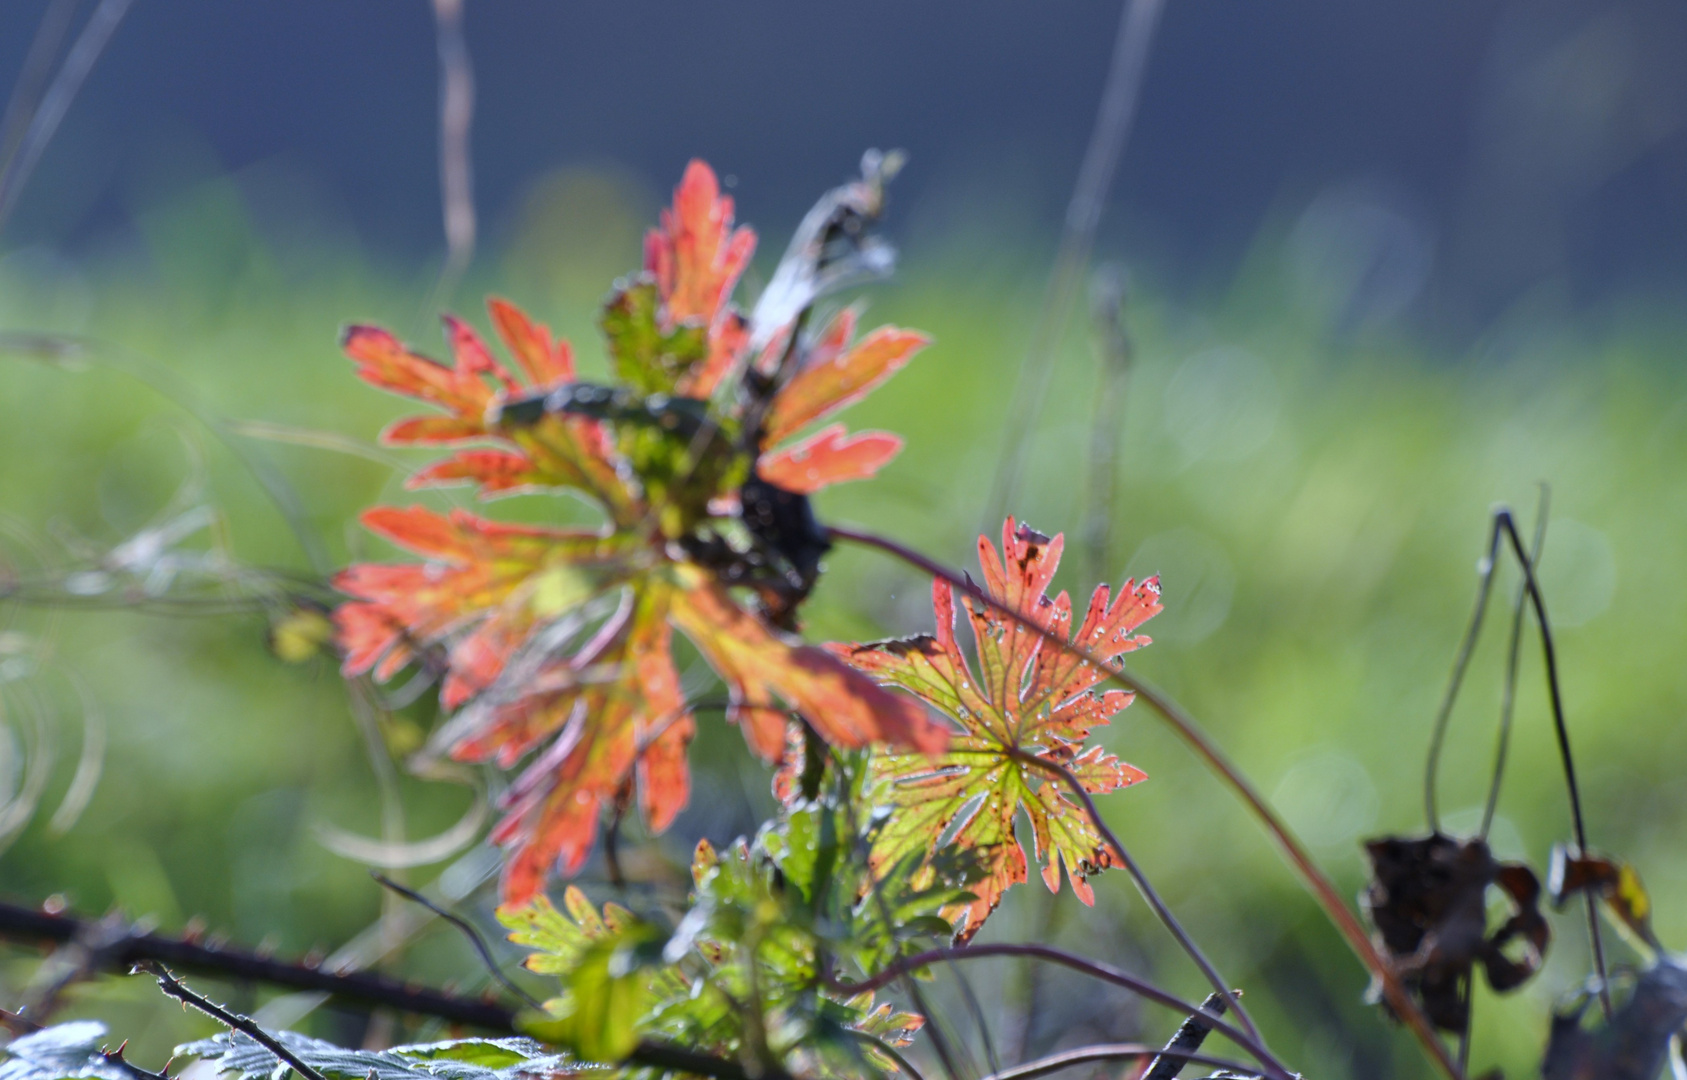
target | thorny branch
[
  {"x": 232, "y": 1020},
  {"x": 1184, "y": 725},
  {"x": 26, "y": 925}
]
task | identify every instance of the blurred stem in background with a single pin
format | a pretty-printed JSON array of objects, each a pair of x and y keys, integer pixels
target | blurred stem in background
[
  {"x": 1107, "y": 313},
  {"x": 456, "y": 166},
  {"x": 1083, "y": 216},
  {"x": 31, "y": 120}
]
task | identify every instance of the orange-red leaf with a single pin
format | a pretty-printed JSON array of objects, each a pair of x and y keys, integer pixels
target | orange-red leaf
[
  {"x": 831, "y": 381},
  {"x": 546, "y": 363},
  {"x": 496, "y": 471},
  {"x": 615, "y": 708},
  {"x": 1028, "y": 699},
  {"x": 485, "y": 587},
  {"x": 697, "y": 256},
  {"x": 757, "y": 664},
  {"x": 462, "y": 390},
  {"x": 829, "y": 456}
]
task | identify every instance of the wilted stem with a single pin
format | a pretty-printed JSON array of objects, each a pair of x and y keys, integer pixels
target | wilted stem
[
  {"x": 1320, "y": 886},
  {"x": 1503, "y": 522}
]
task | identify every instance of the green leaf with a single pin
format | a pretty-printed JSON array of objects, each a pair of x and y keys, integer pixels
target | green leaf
[
  {"x": 646, "y": 357},
  {"x": 608, "y": 999},
  {"x": 61, "y": 1052},
  {"x": 466, "y": 1059}
]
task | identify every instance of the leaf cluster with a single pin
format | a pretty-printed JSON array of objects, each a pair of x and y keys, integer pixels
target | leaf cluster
[
  {"x": 553, "y": 646},
  {"x": 758, "y": 967}
]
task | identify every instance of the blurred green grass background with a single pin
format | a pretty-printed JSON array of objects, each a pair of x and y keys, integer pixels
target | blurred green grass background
[{"x": 1315, "y": 498}]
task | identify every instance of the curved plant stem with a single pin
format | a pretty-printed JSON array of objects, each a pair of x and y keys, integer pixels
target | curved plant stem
[
  {"x": 1461, "y": 662},
  {"x": 1184, "y": 726},
  {"x": 1508, "y": 699},
  {"x": 1149, "y": 893},
  {"x": 1103, "y": 972},
  {"x": 1108, "y": 1052},
  {"x": 68, "y": 351},
  {"x": 468, "y": 931}
]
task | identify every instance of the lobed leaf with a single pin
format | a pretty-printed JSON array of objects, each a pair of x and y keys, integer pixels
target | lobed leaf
[
  {"x": 827, "y": 457},
  {"x": 1030, "y": 702},
  {"x": 835, "y": 378}
]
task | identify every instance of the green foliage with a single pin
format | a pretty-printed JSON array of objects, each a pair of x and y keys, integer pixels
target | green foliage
[
  {"x": 63, "y": 1052},
  {"x": 646, "y": 357},
  {"x": 758, "y": 965}
]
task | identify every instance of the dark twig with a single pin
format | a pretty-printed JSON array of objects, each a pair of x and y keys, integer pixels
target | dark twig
[
  {"x": 1102, "y": 972},
  {"x": 1187, "y": 1040},
  {"x": 1184, "y": 726},
  {"x": 1503, "y": 522},
  {"x": 26, "y": 925},
  {"x": 1109, "y": 1052},
  {"x": 469, "y": 932},
  {"x": 1083, "y": 216},
  {"x": 232, "y": 1020}
]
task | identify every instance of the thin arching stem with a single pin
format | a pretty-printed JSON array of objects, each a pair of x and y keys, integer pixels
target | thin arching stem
[
  {"x": 1508, "y": 698},
  {"x": 1083, "y": 1055},
  {"x": 1503, "y": 522},
  {"x": 1184, "y": 726},
  {"x": 1144, "y": 886},
  {"x": 1103, "y": 972},
  {"x": 467, "y": 929},
  {"x": 1461, "y": 662}
]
